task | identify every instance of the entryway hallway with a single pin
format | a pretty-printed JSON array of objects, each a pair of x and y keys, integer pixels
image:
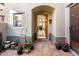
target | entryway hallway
[{"x": 42, "y": 48}]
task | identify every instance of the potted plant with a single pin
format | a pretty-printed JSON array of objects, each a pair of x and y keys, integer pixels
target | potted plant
[
  {"x": 27, "y": 49},
  {"x": 58, "y": 46},
  {"x": 65, "y": 47},
  {"x": 19, "y": 50},
  {"x": 28, "y": 46}
]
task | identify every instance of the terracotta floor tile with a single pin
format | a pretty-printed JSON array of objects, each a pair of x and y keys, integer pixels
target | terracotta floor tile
[{"x": 42, "y": 48}]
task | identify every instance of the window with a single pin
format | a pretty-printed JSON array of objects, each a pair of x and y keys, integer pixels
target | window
[{"x": 17, "y": 21}]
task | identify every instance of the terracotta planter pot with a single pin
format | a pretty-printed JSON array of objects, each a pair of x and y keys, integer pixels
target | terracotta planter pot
[{"x": 26, "y": 50}]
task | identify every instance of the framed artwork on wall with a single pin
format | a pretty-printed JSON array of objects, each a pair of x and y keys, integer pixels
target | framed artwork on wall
[{"x": 50, "y": 21}]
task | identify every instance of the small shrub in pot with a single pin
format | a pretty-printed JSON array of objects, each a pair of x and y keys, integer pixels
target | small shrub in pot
[
  {"x": 58, "y": 46},
  {"x": 19, "y": 50},
  {"x": 65, "y": 47}
]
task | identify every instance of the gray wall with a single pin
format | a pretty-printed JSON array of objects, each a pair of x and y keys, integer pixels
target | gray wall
[{"x": 3, "y": 28}]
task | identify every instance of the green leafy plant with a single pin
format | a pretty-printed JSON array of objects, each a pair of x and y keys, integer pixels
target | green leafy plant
[
  {"x": 27, "y": 46},
  {"x": 28, "y": 43},
  {"x": 59, "y": 46},
  {"x": 65, "y": 47}
]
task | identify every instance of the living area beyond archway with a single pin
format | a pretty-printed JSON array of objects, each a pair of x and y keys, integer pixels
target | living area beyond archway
[
  {"x": 42, "y": 26},
  {"x": 40, "y": 21}
]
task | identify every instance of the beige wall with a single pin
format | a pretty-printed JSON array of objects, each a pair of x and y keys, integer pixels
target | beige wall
[{"x": 58, "y": 24}]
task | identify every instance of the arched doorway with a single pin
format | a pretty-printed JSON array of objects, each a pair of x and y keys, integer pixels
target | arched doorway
[{"x": 40, "y": 21}]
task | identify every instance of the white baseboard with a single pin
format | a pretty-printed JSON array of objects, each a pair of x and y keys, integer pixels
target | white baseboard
[{"x": 74, "y": 53}]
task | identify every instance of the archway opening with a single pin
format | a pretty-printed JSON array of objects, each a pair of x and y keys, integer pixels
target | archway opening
[{"x": 40, "y": 21}]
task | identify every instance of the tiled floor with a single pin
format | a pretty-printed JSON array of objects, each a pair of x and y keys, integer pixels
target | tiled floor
[{"x": 42, "y": 48}]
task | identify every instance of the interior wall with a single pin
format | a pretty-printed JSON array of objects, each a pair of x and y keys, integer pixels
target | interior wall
[
  {"x": 54, "y": 23},
  {"x": 17, "y": 31},
  {"x": 58, "y": 23},
  {"x": 50, "y": 25},
  {"x": 67, "y": 23},
  {"x": 3, "y": 25},
  {"x": 60, "y": 20},
  {"x": 3, "y": 28}
]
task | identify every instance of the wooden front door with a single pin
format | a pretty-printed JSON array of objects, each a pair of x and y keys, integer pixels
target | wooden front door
[
  {"x": 46, "y": 26},
  {"x": 74, "y": 27}
]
